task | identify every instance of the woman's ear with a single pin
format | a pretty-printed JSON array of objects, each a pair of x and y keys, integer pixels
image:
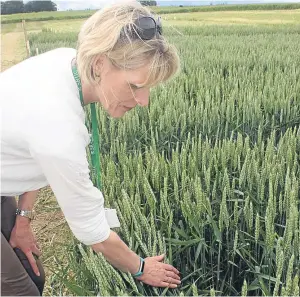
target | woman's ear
[{"x": 98, "y": 66}]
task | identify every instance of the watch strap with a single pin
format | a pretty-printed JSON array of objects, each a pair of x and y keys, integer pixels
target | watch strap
[{"x": 141, "y": 268}]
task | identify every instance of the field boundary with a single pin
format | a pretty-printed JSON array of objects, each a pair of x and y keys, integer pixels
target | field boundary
[{"x": 60, "y": 15}]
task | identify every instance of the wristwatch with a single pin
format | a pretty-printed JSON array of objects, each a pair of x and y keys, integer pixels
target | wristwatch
[
  {"x": 26, "y": 213},
  {"x": 141, "y": 268}
]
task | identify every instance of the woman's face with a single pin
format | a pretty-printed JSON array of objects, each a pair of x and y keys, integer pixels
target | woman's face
[{"x": 119, "y": 90}]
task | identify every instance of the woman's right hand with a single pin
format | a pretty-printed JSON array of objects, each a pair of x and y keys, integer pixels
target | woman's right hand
[{"x": 158, "y": 274}]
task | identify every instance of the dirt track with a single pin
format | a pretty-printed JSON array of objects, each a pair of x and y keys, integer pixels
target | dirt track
[{"x": 13, "y": 49}]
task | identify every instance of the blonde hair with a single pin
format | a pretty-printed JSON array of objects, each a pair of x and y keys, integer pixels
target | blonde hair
[{"x": 108, "y": 32}]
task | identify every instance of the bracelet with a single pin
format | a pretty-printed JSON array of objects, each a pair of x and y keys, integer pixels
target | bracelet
[{"x": 141, "y": 268}]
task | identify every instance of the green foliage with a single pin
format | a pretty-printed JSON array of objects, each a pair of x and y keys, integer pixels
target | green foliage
[
  {"x": 148, "y": 2},
  {"x": 37, "y": 6},
  {"x": 11, "y": 7},
  {"x": 17, "y": 8}
]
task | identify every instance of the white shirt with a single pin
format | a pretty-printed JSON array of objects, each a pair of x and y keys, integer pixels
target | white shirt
[{"x": 44, "y": 139}]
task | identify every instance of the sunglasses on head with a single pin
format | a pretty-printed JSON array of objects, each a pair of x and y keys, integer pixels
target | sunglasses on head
[{"x": 147, "y": 27}]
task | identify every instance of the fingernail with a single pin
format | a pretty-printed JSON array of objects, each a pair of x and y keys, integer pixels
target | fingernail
[{"x": 38, "y": 274}]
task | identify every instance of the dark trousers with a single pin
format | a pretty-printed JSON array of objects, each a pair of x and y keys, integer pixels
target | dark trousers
[{"x": 17, "y": 276}]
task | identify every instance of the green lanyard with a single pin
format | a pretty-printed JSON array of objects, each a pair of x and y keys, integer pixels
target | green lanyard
[{"x": 94, "y": 143}]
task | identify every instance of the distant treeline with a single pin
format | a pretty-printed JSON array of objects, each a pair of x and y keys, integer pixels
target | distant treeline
[
  {"x": 62, "y": 15},
  {"x": 148, "y": 3},
  {"x": 13, "y": 7},
  {"x": 17, "y": 6}
]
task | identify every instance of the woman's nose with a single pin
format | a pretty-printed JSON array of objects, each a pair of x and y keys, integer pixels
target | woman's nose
[{"x": 142, "y": 97}]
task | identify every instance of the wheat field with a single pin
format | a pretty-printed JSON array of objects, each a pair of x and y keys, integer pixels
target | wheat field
[{"x": 209, "y": 172}]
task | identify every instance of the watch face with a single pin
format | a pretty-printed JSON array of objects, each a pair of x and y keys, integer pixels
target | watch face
[{"x": 25, "y": 213}]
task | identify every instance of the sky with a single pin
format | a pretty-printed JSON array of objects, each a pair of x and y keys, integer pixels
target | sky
[{"x": 95, "y": 4}]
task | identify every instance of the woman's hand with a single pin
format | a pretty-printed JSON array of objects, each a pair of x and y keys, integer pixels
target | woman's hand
[
  {"x": 158, "y": 274},
  {"x": 22, "y": 237},
  {"x": 118, "y": 254}
]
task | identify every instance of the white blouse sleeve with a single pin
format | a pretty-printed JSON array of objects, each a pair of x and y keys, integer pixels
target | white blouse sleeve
[{"x": 62, "y": 158}]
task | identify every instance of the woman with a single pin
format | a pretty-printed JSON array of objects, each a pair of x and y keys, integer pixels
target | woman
[{"x": 121, "y": 53}]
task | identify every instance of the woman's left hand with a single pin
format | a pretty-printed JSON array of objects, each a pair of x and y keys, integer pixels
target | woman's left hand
[
  {"x": 158, "y": 274},
  {"x": 22, "y": 237}
]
